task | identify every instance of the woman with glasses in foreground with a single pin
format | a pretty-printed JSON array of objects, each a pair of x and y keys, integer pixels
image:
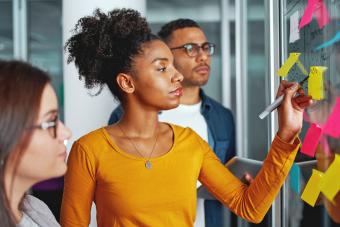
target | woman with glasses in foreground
[
  {"x": 142, "y": 172},
  {"x": 31, "y": 143}
]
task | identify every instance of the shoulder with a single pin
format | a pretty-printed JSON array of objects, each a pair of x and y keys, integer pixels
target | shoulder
[
  {"x": 185, "y": 134},
  {"x": 97, "y": 136},
  {"x": 93, "y": 144},
  {"x": 38, "y": 211},
  {"x": 218, "y": 107},
  {"x": 30, "y": 202},
  {"x": 219, "y": 115}
]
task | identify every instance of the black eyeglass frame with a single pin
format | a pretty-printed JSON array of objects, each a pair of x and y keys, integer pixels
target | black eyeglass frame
[
  {"x": 202, "y": 46},
  {"x": 48, "y": 124}
]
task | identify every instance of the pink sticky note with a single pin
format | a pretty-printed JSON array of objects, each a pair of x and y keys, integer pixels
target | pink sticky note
[
  {"x": 319, "y": 8},
  {"x": 332, "y": 126},
  {"x": 311, "y": 140},
  {"x": 308, "y": 14},
  {"x": 322, "y": 15}
]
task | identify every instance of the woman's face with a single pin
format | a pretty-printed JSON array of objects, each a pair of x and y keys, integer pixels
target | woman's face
[
  {"x": 157, "y": 82},
  {"x": 45, "y": 154}
]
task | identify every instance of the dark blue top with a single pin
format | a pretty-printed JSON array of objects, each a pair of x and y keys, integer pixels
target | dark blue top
[{"x": 221, "y": 137}]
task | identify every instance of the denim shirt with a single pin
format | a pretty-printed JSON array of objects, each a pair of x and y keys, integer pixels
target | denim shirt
[{"x": 221, "y": 138}]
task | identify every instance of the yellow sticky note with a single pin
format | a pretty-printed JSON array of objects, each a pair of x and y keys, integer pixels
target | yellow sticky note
[
  {"x": 315, "y": 82},
  {"x": 312, "y": 190},
  {"x": 330, "y": 183},
  {"x": 291, "y": 60}
]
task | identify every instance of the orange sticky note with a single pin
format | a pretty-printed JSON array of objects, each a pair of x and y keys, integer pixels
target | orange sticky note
[
  {"x": 312, "y": 190},
  {"x": 315, "y": 82},
  {"x": 291, "y": 60},
  {"x": 330, "y": 182}
]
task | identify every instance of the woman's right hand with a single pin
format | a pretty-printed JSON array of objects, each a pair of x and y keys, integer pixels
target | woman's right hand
[{"x": 290, "y": 111}]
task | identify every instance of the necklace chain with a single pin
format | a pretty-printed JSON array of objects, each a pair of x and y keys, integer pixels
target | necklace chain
[{"x": 148, "y": 164}]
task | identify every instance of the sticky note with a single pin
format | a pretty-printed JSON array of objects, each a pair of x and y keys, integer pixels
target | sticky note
[
  {"x": 330, "y": 182},
  {"x": 294, "y": 27},
  {"x": 319, "y": 9},
  {"x": 321, "y": 13},
  {"x": 315, "y": 82},
  {"x": 312, "y": 190},
  {"x": 332, "y": 126},
  {"x": 311, "y": 140},
  {"x": 288, "y": 64},
  {"x": 330, "y": 42},
  {"x": 294, "y": 178}
]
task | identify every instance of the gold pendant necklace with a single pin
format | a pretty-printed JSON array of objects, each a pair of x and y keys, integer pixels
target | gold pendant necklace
[{"x": 147, "y": 163}]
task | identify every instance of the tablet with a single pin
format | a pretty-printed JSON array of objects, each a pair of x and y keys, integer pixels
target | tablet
[{"x": 238, "y": 166}]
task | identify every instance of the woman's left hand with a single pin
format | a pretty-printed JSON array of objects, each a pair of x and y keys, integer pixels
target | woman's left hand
[{"x": 290, "y": 111}]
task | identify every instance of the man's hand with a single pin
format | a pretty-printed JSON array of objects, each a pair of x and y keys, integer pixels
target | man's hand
[{"x": 247, "y": 178}]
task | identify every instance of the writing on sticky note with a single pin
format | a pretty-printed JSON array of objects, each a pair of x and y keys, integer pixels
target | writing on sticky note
[
  {"x": 312, "y": 190},
  {"x": 315, "y": 82},
  {"x": 294, "y": 179},
  {"x": 330, "y": 183},
  {"x": 311, "y": 140},
  {"x": 289, "y": 63},
  {"x": 332, "y": 126},
  {"x": 330, "y": 42},
  {"x": 319, "y": 9}
]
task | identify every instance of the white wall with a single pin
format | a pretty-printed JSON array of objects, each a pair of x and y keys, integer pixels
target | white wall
[{"x": 84, "y": 113}]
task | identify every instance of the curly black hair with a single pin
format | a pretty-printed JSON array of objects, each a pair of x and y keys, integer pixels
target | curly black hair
[
  {"x": 168, "y": 28},
  {"x": 104, "y": 45}
]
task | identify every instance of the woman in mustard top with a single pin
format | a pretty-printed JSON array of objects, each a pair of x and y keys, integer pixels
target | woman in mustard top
[{"x": 140, "y": 172}]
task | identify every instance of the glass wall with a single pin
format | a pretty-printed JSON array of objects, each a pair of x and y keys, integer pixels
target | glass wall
[
  {"x": 252, "y": 86},
  {"x": 208, "y": 15},
  {"x": 257, "y": 129},
  {"x": 30, "y": 30},
  {"x": 45, "y": 48},
  {"x": 298, "y": 213},
  {"x": 6, "y": 29}
]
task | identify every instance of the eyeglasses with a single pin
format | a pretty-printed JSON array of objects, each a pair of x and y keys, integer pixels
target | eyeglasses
[
  {"x": 192, "y": 49},
  {"x": 50, "y": 126}
]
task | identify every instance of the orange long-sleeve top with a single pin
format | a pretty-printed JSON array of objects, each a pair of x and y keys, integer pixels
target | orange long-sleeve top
[{"x": 128, "y": 194}]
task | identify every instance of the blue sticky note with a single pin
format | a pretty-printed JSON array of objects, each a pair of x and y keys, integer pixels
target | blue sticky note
[
  {"x": 330, "y": 42},
  {"x": 294, "y": 179}
]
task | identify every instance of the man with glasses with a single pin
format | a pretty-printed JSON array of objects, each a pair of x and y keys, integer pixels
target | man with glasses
[{"x": 209, "y": 119}]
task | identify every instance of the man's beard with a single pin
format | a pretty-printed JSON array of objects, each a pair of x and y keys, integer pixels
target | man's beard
[{"x": 194, "y": 83}]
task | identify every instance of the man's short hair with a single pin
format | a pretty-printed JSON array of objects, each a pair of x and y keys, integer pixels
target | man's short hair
[{"x": 168, "y": 28}]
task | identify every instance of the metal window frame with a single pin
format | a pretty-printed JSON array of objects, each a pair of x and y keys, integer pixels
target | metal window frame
[
  {"x": 20, "y": 39},
  {"x": 225, "y": 53},
  {"x": 272, "y": 8},
  {"x": 241, "y": 77},
  {"x": 273, "y": 47}
]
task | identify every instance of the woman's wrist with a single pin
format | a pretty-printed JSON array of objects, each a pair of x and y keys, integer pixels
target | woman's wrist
[{"x": 287, "y": 136}]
